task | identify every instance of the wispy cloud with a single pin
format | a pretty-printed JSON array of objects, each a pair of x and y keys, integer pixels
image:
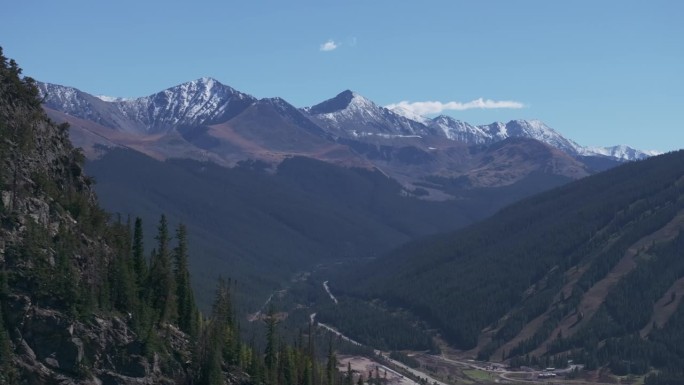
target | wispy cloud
[
  {"x": 329, "y": 45},
  {"x": 431, "y": 107}
]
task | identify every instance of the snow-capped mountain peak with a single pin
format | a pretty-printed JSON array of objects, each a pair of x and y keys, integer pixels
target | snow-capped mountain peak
[
  {"x": 348, "y": 115},
  {"x": 533, "y": 129},
  {"x": 458, "y": 130},
  {"x": 536, "y": 129},
  {"x": 405, "y": 112},
  {"x": 200, "y": 101},
  {"x": 358, "y": 101},
  {"x": 620, "y": 152},
  {"x": 342, "y": 101},
  {"x": 351, "y": 115}
]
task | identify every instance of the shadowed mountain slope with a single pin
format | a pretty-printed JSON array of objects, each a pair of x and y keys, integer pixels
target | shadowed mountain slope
[{"x": 556, "y": 274}]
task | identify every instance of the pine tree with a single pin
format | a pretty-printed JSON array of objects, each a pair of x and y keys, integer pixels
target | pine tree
[
  {"x": 66, "y": 278},
  {"x": 286, "y": 369},
  {"x": 187, "y": 310},
  {"x": 8, "y": 374},
  {"x": 208, "y": 357},
  {"x": 270, "y": 357},
  {"x": 331, "y": 368},
  {"x": 139, "y": 263},
  {"x": 312, "y": 354},
  {"x": 307, "y": 373},
  {"x": 161, "y": 280},
  {"x": 123, "y": 285},
  {"x": 7, "y": 370},
  {"x": 222, "y": 322}
]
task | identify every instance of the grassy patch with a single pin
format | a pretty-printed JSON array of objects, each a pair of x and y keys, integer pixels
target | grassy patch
[{"x": 478, "y": 375}]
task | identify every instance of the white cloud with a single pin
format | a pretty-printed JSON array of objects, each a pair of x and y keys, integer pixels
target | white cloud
[
  {"x": 431, "y": 107},
  {"x": 329, "y": 45}
]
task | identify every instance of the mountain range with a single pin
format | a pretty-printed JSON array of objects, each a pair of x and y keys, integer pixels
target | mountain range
[
  {"x": 209, "y": 121},
  {"x": 553, "y": 278}
]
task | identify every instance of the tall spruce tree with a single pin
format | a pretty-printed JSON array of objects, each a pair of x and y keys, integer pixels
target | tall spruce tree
[
  {"x": 331, "y": 367},
  {"x": 139, "y": 263},
  {"x": 7, "y": 370},
  {"x": 8, "y": 374},
  {"x": 270, "y": 355},
  {"x": 216, "y": 341},
  {"x": 123, "y": 286},
  {"x": 161, "y": 279},
  {"x": 187, "y": 310}
]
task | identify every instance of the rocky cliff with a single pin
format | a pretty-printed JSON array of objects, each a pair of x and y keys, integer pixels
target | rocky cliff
[{"x": 57, "y": 253}]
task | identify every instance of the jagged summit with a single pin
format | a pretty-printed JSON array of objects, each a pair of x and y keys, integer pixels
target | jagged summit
[
  {"x": 349, "y": 115},
  {"x": 459, "y": 130},
  {"x": 620, "y": 151},
  {"x": 340, "y": 102},
  {"x": 536, "y": 129},
  {"x": 198, "y": 102}
]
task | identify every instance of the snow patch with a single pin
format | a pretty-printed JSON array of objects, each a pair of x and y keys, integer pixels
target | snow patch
[{"x": 111, "y": 99}]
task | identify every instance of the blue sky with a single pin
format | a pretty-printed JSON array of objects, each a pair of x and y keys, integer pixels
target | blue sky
[{"x": 600, "y": 72}]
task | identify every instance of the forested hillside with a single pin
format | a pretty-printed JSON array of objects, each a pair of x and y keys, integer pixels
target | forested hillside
[
  {"x": 266, "y": 225},
  {"x": 591, "y": 270},
  {"x": 84, "y": 300}
]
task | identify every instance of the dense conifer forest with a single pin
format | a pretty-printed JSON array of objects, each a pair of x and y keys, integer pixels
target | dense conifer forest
[{"x": 616, "y": 236}]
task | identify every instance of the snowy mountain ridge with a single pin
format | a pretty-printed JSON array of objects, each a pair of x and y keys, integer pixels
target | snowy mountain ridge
[
  {"x": 198, "y": 102},
  {"x": 351, "y": 115},
  {"x": 534, "y": 129},
  {"x": 348, "y": 115}
]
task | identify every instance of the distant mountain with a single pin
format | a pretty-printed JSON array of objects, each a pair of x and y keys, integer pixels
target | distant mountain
[
  {"x": 533, "y": 129},
  {"x": 617, "y": 152},
  {"x": 208, "y": 121},
  {"x": 464, "y": 132},
  {"x": 350, "y": 115},
  {"x": 591, "y": 271},
  {"x": 200, "y": 102}
]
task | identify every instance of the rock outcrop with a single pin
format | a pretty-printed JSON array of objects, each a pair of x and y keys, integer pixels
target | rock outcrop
[{"x": 56, "y": 255}]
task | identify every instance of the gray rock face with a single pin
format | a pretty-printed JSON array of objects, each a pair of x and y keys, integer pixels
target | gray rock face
[
  {"x": 51, "y": 346},
  {"x": 50, "y": 336},
  {"x": 43, "y": 196}
]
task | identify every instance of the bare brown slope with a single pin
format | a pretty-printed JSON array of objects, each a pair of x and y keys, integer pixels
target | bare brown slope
[
  {"x": 512, "y": 159},
  {"x": 90, "y": 135},
  {"x": 595, "y": 296},
  {"x": 665, "y": 307},
  {"x": 262, "y": 132}
]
